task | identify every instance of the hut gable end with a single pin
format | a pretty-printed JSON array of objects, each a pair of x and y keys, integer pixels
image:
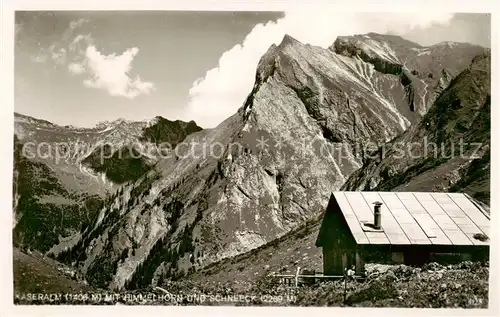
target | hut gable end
[{"x": 334, "y": 230}]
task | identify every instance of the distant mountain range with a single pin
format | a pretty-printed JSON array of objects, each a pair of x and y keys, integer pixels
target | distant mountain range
[
  {"x": 62, "y": 174},
  {"x": 315, "y": 121}
]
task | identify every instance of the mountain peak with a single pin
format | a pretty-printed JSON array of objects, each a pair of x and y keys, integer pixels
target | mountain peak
[
  {"x": 288, "y": 40},
  {"x": 267, "y": 63}
]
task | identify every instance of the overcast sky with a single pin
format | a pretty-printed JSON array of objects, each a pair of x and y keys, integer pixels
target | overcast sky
[{"x": 82, "y": 68}]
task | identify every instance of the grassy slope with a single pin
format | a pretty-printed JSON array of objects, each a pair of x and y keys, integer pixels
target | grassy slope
[
  {"x": 464, "y": 285},
  {"x": 283, "y": 256},
  {"x": 35, "y": 273}
]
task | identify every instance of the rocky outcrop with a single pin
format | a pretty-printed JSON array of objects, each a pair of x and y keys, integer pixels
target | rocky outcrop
[
  {"x": 377, "y": 53},
  {"x": 449, "y": 149},
  {"x": 423, "y": 71},
  {"x": 162, "y": 130}
]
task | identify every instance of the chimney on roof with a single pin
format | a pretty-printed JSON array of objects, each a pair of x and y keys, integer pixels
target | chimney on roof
[{"x": 377, "y": 217}]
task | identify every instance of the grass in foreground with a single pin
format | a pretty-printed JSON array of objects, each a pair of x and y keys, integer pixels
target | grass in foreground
[{"x": 463, "y": 285}]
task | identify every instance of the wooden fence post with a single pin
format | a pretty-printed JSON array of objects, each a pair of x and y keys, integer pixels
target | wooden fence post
[
  {"x": 297, "y": 277},
  {"x": 345, "y": 285}
]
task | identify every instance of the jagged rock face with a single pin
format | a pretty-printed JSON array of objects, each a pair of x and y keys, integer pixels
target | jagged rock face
[
  {"x": 424, "y": 71},
  {"x": 448, "y": 150},
  {"x": 299, "y": 135},
  {"x": 344, "y": 95},
  {"x": 162, "y": 130}
]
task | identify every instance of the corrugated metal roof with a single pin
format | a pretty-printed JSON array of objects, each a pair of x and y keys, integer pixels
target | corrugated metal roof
[{"x": 415, "y": 218}]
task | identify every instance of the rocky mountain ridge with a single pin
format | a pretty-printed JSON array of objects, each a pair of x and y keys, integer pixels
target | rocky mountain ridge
[
  {"x": 424, "y": 70},
  {"x": 448, "y": 150},
  {"x": 462, "y": 111},
  {"x": 69, "y": 148},
  {"x": 300, "y": 134}
]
